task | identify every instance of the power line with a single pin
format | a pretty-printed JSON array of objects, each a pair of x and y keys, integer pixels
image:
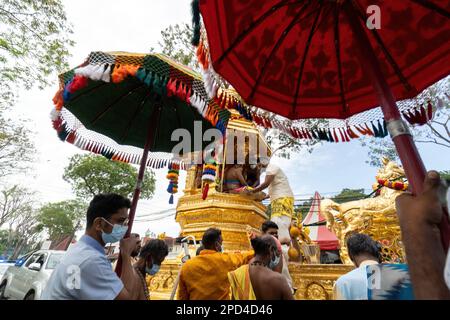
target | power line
[{"x": 155, "y": 219}]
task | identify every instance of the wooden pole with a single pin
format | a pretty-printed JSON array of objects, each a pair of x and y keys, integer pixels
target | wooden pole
[
  {"x": 151, "y": 134},
  {"x": 224, "y": 162}
]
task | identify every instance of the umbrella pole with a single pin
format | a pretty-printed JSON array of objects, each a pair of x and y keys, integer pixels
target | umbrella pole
[
  {"x": 402, "y": 138},
  {"x": 151, "y": 133},
  {"x": 223, "y": 163}
]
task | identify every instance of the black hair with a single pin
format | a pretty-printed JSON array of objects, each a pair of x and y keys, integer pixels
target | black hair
[
  {"x": 156, "y": 248},
  {"x": 268, "y": 225},
  {"x": 359, "y": 243},
  {"x": 199, "y": 250},
  {"x": 262, "y": 245},
  {"x": 104, "y": 206},
  {"x": 210, "y": 237}
]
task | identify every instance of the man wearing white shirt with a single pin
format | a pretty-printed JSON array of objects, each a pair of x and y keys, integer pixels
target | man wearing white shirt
[
  {"x": 281, "y": 198},
  {"x": 363, "y": 251},
  {"x": 281, "y": 201}
]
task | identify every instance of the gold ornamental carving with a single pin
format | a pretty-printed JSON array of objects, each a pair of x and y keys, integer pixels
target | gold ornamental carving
[
  {"x": 236, "y": 215},
  {"x": 375, "y": 217}
]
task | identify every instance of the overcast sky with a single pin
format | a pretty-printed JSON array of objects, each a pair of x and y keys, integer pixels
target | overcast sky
[{"x": 134, "y": 26}]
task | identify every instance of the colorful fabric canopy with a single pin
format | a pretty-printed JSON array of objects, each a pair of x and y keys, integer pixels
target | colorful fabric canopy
[
  {"x": 107, "y": 106},
  {"x": 299, "y": 58}
]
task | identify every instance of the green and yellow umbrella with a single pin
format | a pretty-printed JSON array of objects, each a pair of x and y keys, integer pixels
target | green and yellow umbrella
[{"x": 126, "y": 106}]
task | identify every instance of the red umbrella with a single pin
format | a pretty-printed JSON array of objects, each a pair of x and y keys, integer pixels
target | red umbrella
[{"x": 329, "y": 59}]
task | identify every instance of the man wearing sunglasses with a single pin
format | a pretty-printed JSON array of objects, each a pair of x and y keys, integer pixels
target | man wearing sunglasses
[{"x": 85, "y": 272}]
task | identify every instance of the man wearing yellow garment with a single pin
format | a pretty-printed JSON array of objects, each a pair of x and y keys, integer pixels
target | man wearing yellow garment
[
  {"x": 258, "y": 280},
  {"x": 281, "y": 200},
  {"x": 204, "y": 277}
]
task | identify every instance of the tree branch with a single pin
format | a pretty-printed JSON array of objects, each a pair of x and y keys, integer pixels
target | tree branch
[
  {"x": 283, "y": 146},
  {"x": 437, "y": 133},
  {"x": 23, "y": 24},
  {"x": 435, "y": 142}
]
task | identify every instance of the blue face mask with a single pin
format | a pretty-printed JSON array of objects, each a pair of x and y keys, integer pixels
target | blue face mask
[
  {"x": 117, "y": 233},
  {"x": 274, "y": 262},
  {"x": 153, "y": 270}
]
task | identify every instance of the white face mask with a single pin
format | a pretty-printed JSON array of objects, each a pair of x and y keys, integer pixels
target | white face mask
[{"x": 274, "y": 261}]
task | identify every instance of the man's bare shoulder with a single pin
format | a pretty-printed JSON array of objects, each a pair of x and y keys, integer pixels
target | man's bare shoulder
[{"x": 271, "y": 277}]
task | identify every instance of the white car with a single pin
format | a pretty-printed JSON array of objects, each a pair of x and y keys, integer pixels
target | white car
[
  {"x": 4, "y": 265},
  {"x": 28, "y": 280}
]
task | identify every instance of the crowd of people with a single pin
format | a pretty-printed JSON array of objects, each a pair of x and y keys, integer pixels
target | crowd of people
[{"x": 258, "y": 274}]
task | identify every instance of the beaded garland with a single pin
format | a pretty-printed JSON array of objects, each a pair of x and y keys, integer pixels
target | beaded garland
[
  {"x": 172, "y": 175},
  {"x": 208, "y": 176}
]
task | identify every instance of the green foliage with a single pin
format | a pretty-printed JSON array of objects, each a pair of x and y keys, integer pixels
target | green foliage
[
  {"x": 303, "y": 209},
  {"x": 445, "y": 174},
  {"x": 347, "y": 195},
  {"x": 61, "y": 218},
  {"x": 33, "y": 44},
  {"x": 379, "y": 148},
  {"x": 90, "y": 175},
  {"x": 15, "y": 201},
  {"x": 3, "y": 241},
  {"x": 176, "y": 43},
  {"x": 16, "y": 148}
]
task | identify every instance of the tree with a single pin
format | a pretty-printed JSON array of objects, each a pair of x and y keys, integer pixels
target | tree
[
  {"x": 435, "y": 131},
  {"x": 445, "y": 174},
  {"x": 347, "y": 195},
  {"x": 16, "y": 148},
  {"x": 90, "y": 175},
  {"x": 13, "y": 201},
  {"x": 33, "y": 44},
  {"x": 3, "y": 241},
  {"x": 26, "y": 232},
  {"x": 303, "y": 208},
  {"x": 61, "y": 218},
  {"x": 379, "y": 148},
  {"x": 176, "y": 43},
  {"x": 17, "y": 211}
]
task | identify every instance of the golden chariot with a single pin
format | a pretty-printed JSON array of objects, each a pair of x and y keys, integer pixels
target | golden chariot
[{"x": 237, "y": 214}]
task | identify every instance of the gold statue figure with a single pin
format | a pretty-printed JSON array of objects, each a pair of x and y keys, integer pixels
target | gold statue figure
[{"x": 373, "y": 216}]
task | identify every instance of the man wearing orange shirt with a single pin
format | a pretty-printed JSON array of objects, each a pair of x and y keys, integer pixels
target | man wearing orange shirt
[{"x": 205, "y": 277}]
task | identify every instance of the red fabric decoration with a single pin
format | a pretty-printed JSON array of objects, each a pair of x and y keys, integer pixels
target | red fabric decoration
[
  {"x": 351, "y": 133},
  {"x": 71, "y": 137},
  {"x": 78, "y": 82},
  {"x": 243, "y": 34},
  {"x": 57, "y": 123},
  {"x": 335, "y": 137},
  {"x": 205, "y": 191}
]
